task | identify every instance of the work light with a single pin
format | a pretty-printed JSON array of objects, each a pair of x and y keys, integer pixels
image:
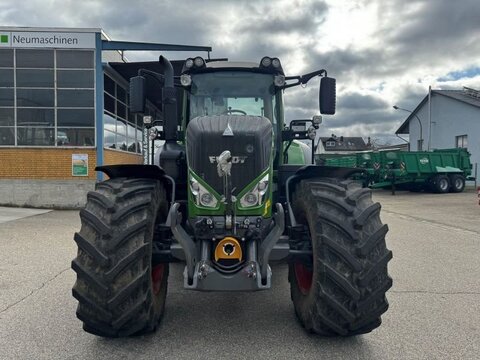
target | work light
[
  {"x": 266, "y": 61},
  {"x": 198, "y": 61}
]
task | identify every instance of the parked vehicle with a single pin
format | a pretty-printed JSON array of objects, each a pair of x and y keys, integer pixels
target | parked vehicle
[
  {"x": 440, "y": 171},
  {"x": 231, "y": 191}
]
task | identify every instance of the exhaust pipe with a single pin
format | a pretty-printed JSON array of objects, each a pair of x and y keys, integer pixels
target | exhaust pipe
[{"x": 169, "y": 102}]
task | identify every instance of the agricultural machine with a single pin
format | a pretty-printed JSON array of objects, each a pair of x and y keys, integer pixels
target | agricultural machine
[{"x": 232, "y": 189}]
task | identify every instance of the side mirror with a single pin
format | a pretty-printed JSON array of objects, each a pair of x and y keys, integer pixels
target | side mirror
[
  {"x": 137, "y": 94},
  {"x": 327, "y": 96}
]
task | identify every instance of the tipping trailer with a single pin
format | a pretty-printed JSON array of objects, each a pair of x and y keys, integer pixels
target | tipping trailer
[{"x": 440, "y": 171}]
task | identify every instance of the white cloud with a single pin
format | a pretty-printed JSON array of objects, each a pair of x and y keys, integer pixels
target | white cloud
[{"x": 381, "y": 52}]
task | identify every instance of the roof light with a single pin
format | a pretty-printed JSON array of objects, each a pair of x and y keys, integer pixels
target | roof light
[
  {"x": 189, "y": 63},
  {"x": 275, "y": 63},
  {"x": 198, "y": 61},
  {"x": 266, "y": 61}
]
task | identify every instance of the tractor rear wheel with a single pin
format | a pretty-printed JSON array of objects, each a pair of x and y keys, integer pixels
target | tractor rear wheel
[
  {"x": 457, "y": 182},
  {"x": 340, "y": 290},
  {"x": 120, "y": 292}
]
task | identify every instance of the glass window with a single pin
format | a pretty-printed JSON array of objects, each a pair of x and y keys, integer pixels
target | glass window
[
  {"x": 75, "y": 98},
  {"x": 35, "y": 78},
  {"x": 109, "y": 139},
  {"x": 6, "y": 58},
  {"x": 121, "y": 110},
  {"x": 27, "y": 58},
  {"x": 6, "y": 97},
  {"x": 76, "y": 117},
  {"x": 35, "y": 136},
  {"x": 461, "y": 141},
  {"x": 109, "y": 85},
  {"x": 35, "y": 117},
  {"x": 7, "y": 136},
  {"x": 121, "y": 95},
  {"x": 109, "y": 123},
  {"x": 35, "y": 97},
  {"x": 74, "y": 59},
  {"x": 130, "y": 131},
  {"x": 121, "y": 142},
  {"x": 109, "y": 103},
  {"x": 121, "y": 127},
  {"x": 75, "y": 137},
  {"x": 75, "y": 78},
  {"x": 6, "y": 77},
  {"x": 7, "y": 117}
]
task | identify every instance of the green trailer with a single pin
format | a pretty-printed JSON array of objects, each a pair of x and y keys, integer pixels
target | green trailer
[{"x": 440, "y": 171}]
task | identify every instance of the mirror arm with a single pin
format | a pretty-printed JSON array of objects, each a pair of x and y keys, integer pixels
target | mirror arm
[{"x": 303, "y": 79}]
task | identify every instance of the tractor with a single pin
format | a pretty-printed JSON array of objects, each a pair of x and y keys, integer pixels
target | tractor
[{"x": 231, "y": 190}]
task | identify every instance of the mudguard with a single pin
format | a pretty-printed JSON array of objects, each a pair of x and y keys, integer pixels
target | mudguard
[{"x": 139, "y": 171}]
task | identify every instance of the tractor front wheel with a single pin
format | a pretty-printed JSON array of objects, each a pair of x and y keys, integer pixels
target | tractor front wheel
[
  {"x": 120, "y": 292},
  {"x": 340, "y": 290}
]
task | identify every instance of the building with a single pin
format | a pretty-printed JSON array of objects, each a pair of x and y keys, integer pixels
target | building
[
  {"x": 341, "y": 145},
  {"x": 446, "y": 119},
  {"x": 64, "y": 110}
]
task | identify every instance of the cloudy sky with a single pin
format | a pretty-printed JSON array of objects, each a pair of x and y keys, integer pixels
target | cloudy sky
[{"x": 382, "y": 52}]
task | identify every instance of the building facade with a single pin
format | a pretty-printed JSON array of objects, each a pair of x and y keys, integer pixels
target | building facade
[
  {"x": 63, "y": 111},
  {"x": 446, "y": 119}
]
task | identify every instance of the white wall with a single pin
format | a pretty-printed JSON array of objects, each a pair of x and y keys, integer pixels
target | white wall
[{"x": 450, "y": 118}]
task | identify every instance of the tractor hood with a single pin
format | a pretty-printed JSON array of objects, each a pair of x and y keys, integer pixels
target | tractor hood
[{"x": 248, "y": 138}]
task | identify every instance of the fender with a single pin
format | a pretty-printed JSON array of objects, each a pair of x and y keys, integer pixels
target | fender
[
  {"x": 139, "y": 171},
  {"x": 290, "y": 175}
]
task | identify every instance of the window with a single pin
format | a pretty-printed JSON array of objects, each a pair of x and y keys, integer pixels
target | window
[
  {"x": 47, "y": 97},
  {"x": 121, "y": 129},
  {"x": 330, "y": 143},
  {"x": 461, "y": 141}
]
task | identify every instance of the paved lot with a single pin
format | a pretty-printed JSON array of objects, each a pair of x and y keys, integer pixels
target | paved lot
[
  {"x": 10, "y": 214},
  {"x": 434, "y": 312}
]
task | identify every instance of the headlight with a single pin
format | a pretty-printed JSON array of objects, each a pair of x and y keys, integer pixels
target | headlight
[
  {"x": 202, "y": 196},
  {"x": 255, "y": 196},
  {"x": 185, "y": 80}
]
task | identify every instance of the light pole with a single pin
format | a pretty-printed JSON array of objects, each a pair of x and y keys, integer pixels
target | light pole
[{"x": 419, "y": 123}]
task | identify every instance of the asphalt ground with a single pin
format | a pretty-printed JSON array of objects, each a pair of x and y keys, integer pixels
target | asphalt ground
[{"x": 434, "y": 303}]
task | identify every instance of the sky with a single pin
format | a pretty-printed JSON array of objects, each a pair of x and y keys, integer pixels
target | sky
[{"x": 382, "y": 52}]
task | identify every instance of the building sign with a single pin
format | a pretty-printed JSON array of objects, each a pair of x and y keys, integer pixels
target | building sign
[
  {"x": 21, "y": 39},
  {"x": 79, "y": 164}
]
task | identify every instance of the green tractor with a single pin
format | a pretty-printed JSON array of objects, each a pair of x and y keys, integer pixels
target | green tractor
[{"x": 232, "y": 189}]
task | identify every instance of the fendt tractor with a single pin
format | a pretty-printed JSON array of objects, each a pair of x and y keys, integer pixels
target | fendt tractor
[{"x": 232, "y": 189}]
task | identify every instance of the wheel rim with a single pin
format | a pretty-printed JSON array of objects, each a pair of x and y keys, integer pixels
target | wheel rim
[
  {"x": 458, "y": 183},
  {"x": 304, "y": 278},
  {"x": 157, "y": 277},
  {"x": 443, "y": 184}
]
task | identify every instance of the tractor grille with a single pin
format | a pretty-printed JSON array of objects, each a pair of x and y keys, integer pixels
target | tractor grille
[{"x": 250, "y": 146}]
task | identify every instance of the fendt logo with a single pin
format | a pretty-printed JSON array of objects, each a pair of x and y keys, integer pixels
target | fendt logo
[
  {"x": 4, "y": 39},
  {"x": 235, "y": 159}
]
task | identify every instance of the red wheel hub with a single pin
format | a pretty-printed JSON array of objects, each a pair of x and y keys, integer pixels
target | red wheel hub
[
  {"x": 157, "y": 277},
  {"x": 304, "y": 278}
]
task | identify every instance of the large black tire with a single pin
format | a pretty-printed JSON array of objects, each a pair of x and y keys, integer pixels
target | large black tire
[
  {"x": 120, "y": 292},
  {"x": 457, "y": 183},
  {"x": 440, "y": 184},
  {"x": 341, "y": 290}
]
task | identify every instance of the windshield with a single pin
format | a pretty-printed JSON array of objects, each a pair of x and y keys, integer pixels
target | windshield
[{"x": 232, "y": 93}]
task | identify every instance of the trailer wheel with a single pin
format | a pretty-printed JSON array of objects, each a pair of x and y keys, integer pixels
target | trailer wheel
[
  {"x": 440, "y": 184},
  {"x": 340, "y": 290},
  {"x": 457, "y": 182},
  {"x": 119, "y": 291}
]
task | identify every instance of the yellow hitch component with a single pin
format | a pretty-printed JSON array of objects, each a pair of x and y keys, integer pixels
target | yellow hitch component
[{"x": 228, "y": 249}]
